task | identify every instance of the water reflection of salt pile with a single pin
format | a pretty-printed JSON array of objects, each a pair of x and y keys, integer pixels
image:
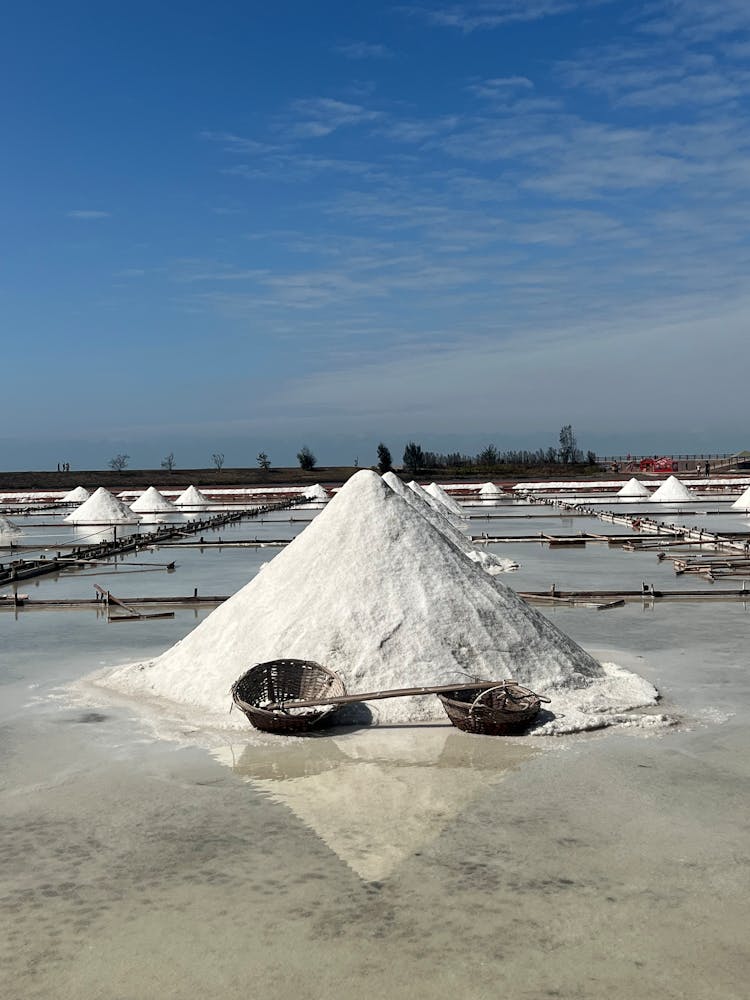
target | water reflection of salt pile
[
  {"x": 8, "y": 529},
  {"x": 373, "y": 591},
  {"x": 377, "y": 798}
]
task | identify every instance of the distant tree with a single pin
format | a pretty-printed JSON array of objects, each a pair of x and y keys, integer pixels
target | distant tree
[
  {"x": 488, "y": 456},
  {"x": 568, "y": 444},
  {"x": 384, "y": 459},
  {"x": 306, "y": 459},
  {"x": 119, "y": 462},
  {"x": 168, "y": 462},
  {"x": 263, "y": 461},
  {"x": 218, "y": 459},
  {"x": 591, "y": 458},
  {"x": 413, "y": 457}
]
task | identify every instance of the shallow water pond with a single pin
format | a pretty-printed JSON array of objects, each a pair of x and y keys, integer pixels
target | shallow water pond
[{"x": 406, "y": 861}]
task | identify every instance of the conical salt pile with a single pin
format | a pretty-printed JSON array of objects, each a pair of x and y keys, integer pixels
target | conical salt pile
[
  {"x": 78, "y": 495},
  {"x": 8, "y": 529},
  {"x": 671, "y": 491},
  {"x": 191, "y": 497},
  {"x": 316, "y": 492},
  {"x": 439, "y": 494},
  {"x": 101, "y": 508},
  {"x": 371, "y": 590},
  {"x": 633, "y": 488},
  {"x": 743, "y": 502},
  {"x": 489, "y": 561},
  {"x": 490, "y": 490},
  {"x": 152, "y": 502}
]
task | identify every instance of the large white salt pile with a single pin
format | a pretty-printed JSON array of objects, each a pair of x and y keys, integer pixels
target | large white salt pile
[
  {"x": 152, "y": 502},
  {"x": 490, "y": 490},
  {"x": 633, "y": 488},
  {"x": 101, "y": 508},
  {"x": 370, "y": 589},
  {"x": 77, "y": 495},
  {"x": 743, "y": 502},
  {"x": 316, "y": 492},
  {"x": 489, "y": 561},
  {"x": 672, "y": 490},
  {"x": 191, "y": 497},
  {"x": 8, "y": 529},
  {"x": 439, "y": 494}
]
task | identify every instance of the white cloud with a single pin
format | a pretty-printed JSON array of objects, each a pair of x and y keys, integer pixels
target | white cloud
[
  {"x": 87, "y": 213},
  {"x": 364, "y": 50}
]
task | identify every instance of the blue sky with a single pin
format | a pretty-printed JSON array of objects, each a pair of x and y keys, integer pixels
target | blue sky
[{"x": 240, "y": 227}]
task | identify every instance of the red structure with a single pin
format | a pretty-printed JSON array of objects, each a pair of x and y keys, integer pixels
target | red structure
[{"x": 663, "y": 464}]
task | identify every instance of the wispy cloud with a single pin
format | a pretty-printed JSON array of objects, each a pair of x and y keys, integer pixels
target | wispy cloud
[
  {"x": 364, "y": 50},
  {"x": 475, "y": 14},
  {"x": 232, "y": 143},
  {"x": 317, "y": 117},
  {"x": 87, "y": 213}
]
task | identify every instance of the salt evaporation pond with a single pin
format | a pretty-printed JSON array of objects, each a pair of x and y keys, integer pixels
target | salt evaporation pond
[{"x": 369, "y": 860}]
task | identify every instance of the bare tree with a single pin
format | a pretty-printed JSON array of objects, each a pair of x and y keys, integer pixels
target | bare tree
[
  {"x": 168, "y": 462},
  {"x": 264, "y": 462},
  {"x": 218, "y": 459},
  {"x": 119, "y": 462}
]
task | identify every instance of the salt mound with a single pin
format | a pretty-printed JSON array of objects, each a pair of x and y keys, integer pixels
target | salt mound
[
  {"x": 77, "y": 495},
  {"x": 489, "y": 562},
  {"x": 101, "y": 507},
  {"x": 191, "y": 497},
  {"x": 422, "y": 493},
  {"x": 743, "y": 502},
  {"x": 439, "y": 494},
  {"x": 373, "y": 591},
  {"x": 633, "y": 488},
  {"x": 490, "y": 490},
  {"x": 672, "y": 489},
  {"x": 9, "y": 529},
  {"x": 315, "y": 492},
  {"x": 152, "y": 502}
]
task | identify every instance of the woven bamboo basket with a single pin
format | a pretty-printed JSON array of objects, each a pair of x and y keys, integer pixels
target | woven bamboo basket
[
  {"x": 286, "y": 680},
  {"x": 504, "y": 710}
]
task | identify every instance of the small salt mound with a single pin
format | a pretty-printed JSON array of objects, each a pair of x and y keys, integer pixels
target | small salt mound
[
  {"x": 152, "y": 502},
  {"x": 8, "y": 529},
  {"x": 191, "y": 497},
  {"x": 490, "y": 490},
  {"x": 101, "y": 508},
  {"x": 672, "y": 490},
  {"x": 439, "y": 494},
  {"x": 315, "y": 492},
  {"x": 422, "y": 493},
  {"x": 743, "y": 503},
  {"x": 633, "y": 488},
  {"x": 489, "y": 562},
  {"x": 78, "y": 495}
]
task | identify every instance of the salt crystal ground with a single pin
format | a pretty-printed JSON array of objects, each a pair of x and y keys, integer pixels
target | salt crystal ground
[{"x": 611, "y": 864}]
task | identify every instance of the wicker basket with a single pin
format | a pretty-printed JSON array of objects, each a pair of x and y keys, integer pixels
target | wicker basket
[
  {"x": 500, "y": 711},
  {"x": 286, "y": 680}
]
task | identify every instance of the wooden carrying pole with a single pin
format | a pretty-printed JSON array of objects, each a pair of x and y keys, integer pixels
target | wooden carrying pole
[{"x": 352, "y": 699}]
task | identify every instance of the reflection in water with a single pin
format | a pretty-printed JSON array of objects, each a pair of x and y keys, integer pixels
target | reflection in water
[{"x": 377, "y": 797}]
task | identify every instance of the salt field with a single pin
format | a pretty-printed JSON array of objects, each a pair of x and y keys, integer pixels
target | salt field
[{"x": 146, "y": 854}]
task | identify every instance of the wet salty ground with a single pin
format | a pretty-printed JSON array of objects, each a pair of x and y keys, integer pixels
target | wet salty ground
[{"x": 407, "y": 862}]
